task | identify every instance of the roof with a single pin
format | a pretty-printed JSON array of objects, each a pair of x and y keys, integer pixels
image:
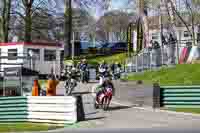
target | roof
[{"x": 31, "y": 44}]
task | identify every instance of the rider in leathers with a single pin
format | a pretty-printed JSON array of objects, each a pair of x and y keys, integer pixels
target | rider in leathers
[
  {"x": 71, "y": 73},
  {"x": 101, "y": 87}
]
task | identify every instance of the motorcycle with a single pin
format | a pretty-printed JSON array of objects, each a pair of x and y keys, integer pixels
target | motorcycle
[
  {"x": 104, "y": 75},
  {"x": 84, "y": 75},
  {"x": 117, "y": 73},
  {"x": 104, "y": 99},
  {"x": 70, "y": 83}
]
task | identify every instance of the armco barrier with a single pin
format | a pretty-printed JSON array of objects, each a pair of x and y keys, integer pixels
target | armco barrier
[
  {"x": 180, "y": 96},
  {"x": 58, "y": 109}
]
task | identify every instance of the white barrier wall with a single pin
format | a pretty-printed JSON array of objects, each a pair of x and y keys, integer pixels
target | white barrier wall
[{"x": 55, "y": 109}]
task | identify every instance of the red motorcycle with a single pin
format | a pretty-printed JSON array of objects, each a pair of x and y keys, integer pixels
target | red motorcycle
[{"x": 104, "y": 99}]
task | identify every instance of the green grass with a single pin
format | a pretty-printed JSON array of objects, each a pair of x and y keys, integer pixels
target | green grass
[
  {"x": 94, "y": 60},
  {"x": 186, "y": 110},
  {"x": 187, "y": 74},
  {"x": 109, "y": 59},
  {"x": 83, "y": 124},
  {"x": 20, "y": 127},
  {"x": 42, "y": 82}
]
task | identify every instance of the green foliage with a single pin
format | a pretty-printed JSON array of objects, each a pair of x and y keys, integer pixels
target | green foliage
[
  {"x": 180, "y": 75},
  {"x": 196, "y": 2}
]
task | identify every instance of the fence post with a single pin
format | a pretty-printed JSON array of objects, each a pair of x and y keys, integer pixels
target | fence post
[
  {"x": 150, "y": 60},
  {"x": 80, "y": 108},
  {"x": 136, "y": 64},
  {"x": 156, "y": 96}
]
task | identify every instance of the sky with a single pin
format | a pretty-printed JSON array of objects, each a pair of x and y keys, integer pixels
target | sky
[
  {"x": 118, "y": 4},
  {"x": 96, "y": 10}
]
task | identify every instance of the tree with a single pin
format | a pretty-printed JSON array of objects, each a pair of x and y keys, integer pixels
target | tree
[
  {"x": 173, "y": 12},
  {"x": 67, "y": 27},
  {"x": 26, "y": 10},
  {"x": 84, "y": 4},
  {"x": 193, "y": 10},
  {"x": 116, "y": 22},
  {"x": 4, "y": 20}
]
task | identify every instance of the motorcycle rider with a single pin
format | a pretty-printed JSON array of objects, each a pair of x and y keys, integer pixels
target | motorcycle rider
[
  {"x": 117, "y": 72},
  {"x": 101, "y": 88},
  {"x": 103, "y": 69},
  {"x": 71, "y": 73},
  {"x": 102, "y": 84}
]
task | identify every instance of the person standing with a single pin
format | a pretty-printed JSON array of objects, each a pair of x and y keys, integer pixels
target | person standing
[
  {"x": 112, "y": 68},
  {"x": 51, "y": 84},
  {"x": 84, "y": 71}
]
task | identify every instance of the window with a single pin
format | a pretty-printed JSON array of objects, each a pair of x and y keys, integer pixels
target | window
[
  {"x": 12, "y": 54},
  {"x": 186, "y": 34},
  {"x": 155, "y": 36},
  {"x": 188, "y": 44},
  {"x": 198, "y": 37},
  {"x": 49, "y": 55},
  {"x": 36, "y": 52},
  {"x": 62, "y": 55}
]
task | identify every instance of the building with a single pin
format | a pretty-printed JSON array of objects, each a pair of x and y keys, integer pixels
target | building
[
  {"x": 45, "y": 56},
  {"x": 183, "y": 36}
]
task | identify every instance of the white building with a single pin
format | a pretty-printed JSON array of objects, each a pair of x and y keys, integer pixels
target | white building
[
  {"x": 46, "y": 56},
  {"x": 183, "y": 36}
]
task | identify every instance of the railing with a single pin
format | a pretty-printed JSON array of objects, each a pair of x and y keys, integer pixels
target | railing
[{"x": 154, "y": 59}]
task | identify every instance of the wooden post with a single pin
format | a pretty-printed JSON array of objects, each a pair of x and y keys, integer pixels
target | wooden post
[{"x": 156, "y": 96}]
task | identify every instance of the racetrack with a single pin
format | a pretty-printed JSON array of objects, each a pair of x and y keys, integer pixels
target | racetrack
[{"x": 124, "y": 114}]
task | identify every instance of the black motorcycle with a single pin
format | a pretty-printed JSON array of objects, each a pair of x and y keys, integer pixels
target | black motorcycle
[{"x": 71, "y": 82}]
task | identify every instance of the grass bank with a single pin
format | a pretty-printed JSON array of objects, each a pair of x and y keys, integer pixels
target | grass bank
[
  {"x": 94, "y": 60},
  {"x": 187, "y": 74},
  {"x": 186, "y": 110},
  {"x": 21, "y": 127}
]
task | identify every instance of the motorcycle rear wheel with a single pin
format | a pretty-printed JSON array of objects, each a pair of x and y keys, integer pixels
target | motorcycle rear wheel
[{"x": 105, "y": 103}]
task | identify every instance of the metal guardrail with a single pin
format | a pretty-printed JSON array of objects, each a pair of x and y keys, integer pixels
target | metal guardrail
[{"x": 180, "y": 96}]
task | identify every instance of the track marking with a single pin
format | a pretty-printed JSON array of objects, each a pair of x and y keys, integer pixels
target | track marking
[
  {"x": 121, "y": 104},
  {"x": 167, "y": 111}
]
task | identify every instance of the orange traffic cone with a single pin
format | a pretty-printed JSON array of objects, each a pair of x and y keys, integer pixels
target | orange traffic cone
[{"x": 36, "y": 88}]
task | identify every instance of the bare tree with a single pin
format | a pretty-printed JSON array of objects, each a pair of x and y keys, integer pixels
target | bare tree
[
  {"x": 169, "y": 4},
  {"x": 4, "y": 20},
  {"x": 85, "y": 4},
  {"x": 115, "y": 22},
  {"x": 26, "y": 9}
]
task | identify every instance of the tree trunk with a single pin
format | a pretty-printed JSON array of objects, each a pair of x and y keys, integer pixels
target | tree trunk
[
  {"x": 67, "y": 27},
  {"x": 28, "y": 23},
  {"x": 6, "y": 20}
]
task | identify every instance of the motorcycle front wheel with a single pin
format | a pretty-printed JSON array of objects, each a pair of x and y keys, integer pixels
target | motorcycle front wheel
[{"x": 66, "y": 87}]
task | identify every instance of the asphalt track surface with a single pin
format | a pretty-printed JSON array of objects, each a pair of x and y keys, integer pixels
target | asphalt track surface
[
  {"x": 125, "y": 117},
  {"x": 124, "y": 114},
  {"x": 128, "y": 130}
]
